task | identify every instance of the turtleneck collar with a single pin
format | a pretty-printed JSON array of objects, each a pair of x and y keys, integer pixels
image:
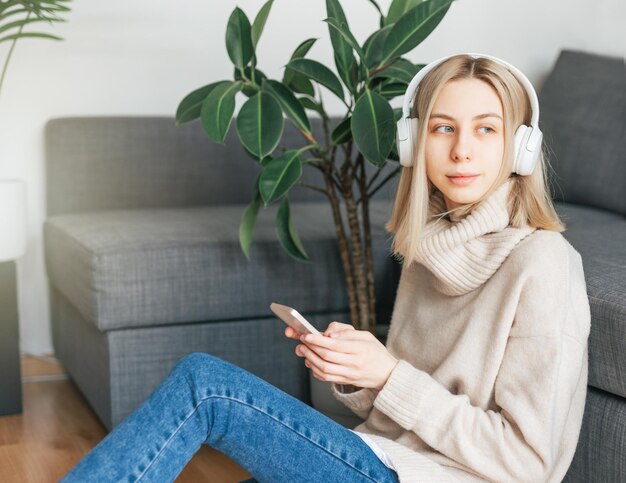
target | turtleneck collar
[{"x": 463, "y": 253}]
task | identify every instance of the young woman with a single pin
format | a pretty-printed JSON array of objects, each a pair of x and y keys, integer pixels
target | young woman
[{"x": 484, "y": 374}]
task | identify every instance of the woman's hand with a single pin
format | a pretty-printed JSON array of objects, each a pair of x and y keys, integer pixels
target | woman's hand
[{"x": 350, "y": 356}]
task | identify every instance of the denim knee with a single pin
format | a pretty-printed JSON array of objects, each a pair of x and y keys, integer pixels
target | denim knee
[{"x": 193, "y": 361}]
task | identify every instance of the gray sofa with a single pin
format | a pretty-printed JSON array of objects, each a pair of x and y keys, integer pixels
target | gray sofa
[
  {"x": 145, "y": 266},
  {"x": 144, "y": 263}
]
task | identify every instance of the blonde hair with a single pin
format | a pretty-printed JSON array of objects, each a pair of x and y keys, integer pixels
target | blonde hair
[{"x": 529, "y": 202}]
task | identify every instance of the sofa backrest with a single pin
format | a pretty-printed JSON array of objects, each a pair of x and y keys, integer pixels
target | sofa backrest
[
  {"x": 583, "y": 119},
  {"x": 108, "y": 163}
]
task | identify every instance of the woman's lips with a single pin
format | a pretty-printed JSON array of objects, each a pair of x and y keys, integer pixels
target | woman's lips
[{"x": 462, "y": 180}]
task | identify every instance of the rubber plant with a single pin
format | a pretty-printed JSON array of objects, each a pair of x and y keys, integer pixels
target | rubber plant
[
  {"x": 369, "y": 75},
  {"x": 15, "y": 16}
]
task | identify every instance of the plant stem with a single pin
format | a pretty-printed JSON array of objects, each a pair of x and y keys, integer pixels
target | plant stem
[
  {"x": 343, "y": 242},
  {"x": 371, "y": 181},
  {"x": 322, "y": 168},
  {"x": 362, "y": 321},
  {"x": 313, "y": 187},
  {"x": 387, "y": 178},
  {"x": 369, "y": 259}
]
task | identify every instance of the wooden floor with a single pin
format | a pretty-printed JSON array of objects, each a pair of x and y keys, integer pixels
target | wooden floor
[{"x": 57, "y": 428}]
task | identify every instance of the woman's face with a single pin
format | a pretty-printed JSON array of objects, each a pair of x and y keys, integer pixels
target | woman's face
[{"x": 465, "y": 141}]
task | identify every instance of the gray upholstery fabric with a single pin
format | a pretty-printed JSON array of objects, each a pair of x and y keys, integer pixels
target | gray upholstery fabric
[
  {"x": 110, "y": 163},
  {"x": 601, "y": 451},
  {"x": 118, "y": 369},
  {"x": 162, "y": 266},
  {"x": 84, "y": 352},
  {"x": 600, "y": 238},
  {"x": 583, "y": 112}
]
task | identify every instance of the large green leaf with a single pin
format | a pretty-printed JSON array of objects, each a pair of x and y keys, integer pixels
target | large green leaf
[
  {"x": 301, "y": 84},
  {"x": 247, "y": 223},
  {"x": 217, "y": 110},
  {"x": 287, "y": 234},
  {"x": 259, "y": 161},
  {"x": 349, "y": 71},
  {"x": 344, "y": 32},
  {"x": 259, "y": 23},
  {"x": 319, "y": 73},
  {"x": 189, "y": 108},
  {"x": 343, "y": 132},
  {"x": 342, "y": 50},
  {"x": 239, "y": 38},
  {"x": 349, "y": 74},
  {"x": 373, "y": 127},
  {"x": 389, "y": 90},
  {"x": 279, "y": 175},
  {"x": 344, "y": 59},
  {"x": 399, "y": 8},
  {"x": 373, "y": 47},
  {"x": 393, "y": 154},
  {"x": 413, "y": 27},
  {"x": 300, "y": 52},
  {"x": 260, "y": 124},
  {"x": 310, "y": 104},
  {"x": 289, "y": 103}
]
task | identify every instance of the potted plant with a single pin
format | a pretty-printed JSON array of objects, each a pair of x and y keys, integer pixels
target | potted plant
[
  {"x": 16, "y": 15},
  {"x": 369, "y": 75}
]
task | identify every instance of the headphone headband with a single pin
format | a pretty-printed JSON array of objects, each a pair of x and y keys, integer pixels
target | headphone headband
[{"x": 411, "y": 92}]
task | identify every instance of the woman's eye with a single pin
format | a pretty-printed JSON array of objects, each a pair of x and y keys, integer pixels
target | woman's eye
[
  {"x": 438, "y": 128},
  {"x": 486, "y": 127}
]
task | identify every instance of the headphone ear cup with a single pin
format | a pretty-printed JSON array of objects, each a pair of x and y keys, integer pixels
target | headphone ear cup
[
  {"x": 521, "y": 138},
  {"x": 407, "y": 148},
  {"x": 527, "y": 149}
]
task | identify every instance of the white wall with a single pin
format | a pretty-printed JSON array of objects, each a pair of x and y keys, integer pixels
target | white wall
[{"x": 144, "y": 56}]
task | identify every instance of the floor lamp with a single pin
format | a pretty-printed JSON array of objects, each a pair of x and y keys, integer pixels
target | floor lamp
[{"x": 12, "y": 247}]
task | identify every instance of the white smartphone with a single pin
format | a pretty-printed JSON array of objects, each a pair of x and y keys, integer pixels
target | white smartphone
[{"x": 293, "y": 319}]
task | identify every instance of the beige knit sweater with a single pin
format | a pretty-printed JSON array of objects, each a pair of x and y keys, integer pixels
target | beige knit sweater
[{"x": 490, "y": 330}]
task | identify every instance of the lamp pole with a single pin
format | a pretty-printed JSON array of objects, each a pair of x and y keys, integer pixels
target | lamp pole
[
  {"x": 12, "y": 247},
  {"x": 10, "y": 376}
]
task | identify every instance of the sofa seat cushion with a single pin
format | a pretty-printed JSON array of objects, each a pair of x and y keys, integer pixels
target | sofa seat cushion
[
  {"x": 132, "y": 268},
  {"x": 600, "y": 238}
]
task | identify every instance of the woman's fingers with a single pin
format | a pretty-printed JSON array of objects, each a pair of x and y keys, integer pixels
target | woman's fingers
[
  {"x": 336, "y": 327},
  {"x": 323, "y": 375},
  {"x": 292, "y": 334},
  {"x": 332, "y": 363}
]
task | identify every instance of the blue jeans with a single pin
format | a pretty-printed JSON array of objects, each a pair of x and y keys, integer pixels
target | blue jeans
[{"x": 274, "y": 436}]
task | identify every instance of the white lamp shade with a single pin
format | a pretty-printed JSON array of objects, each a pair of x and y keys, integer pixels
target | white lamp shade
[{"x": 12, "y": 219}]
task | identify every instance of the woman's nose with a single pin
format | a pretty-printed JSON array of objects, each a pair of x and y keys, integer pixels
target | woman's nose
[{"x": 462, "y": 148}]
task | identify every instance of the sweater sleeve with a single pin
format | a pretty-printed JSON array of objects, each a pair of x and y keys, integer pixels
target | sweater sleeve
[
  {"x": 359, "y": 400},
  {"x": 542, "y": 374}
]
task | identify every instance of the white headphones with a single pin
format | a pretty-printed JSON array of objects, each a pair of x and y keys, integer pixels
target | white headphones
[{"x": 527, "y": 138}]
